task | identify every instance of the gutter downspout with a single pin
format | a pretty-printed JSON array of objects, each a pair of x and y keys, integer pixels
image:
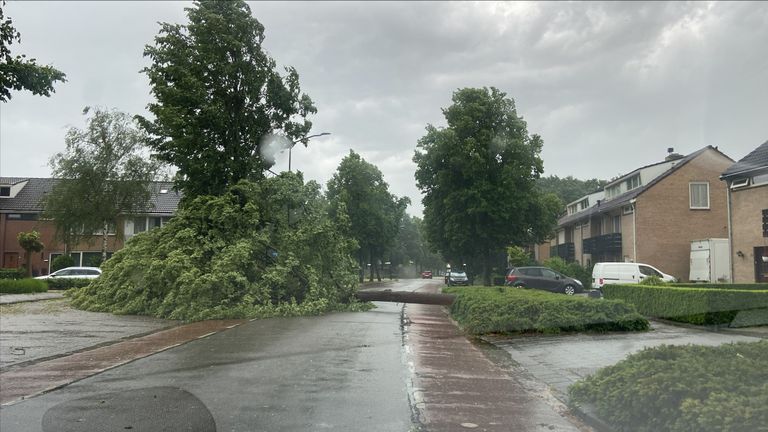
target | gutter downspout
[
  {"x": 730, "y": 233},
  {"x": 633, "y": 202}
]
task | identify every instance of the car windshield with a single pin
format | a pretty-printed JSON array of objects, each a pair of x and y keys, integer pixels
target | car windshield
[{"x": 578, "y": 189}]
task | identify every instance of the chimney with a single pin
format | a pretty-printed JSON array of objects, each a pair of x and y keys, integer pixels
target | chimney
[{"x": 671, "y": 155}]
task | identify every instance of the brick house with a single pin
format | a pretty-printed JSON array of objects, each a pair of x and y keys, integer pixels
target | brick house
[
  {"x": 747, "y": 182},
  {"x": 650, "y": 215},
  {"x": 21, "y": 209}
]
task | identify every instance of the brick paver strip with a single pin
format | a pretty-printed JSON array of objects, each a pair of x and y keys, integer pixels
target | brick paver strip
[
  {"x": 29, "y": 381},
  {"x": 460, "y": 387}
]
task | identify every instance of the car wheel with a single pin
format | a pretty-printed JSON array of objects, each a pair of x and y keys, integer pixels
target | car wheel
[{"x": 569, "y": 290}]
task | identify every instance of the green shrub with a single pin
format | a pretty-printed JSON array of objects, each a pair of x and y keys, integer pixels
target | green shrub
[
  {"x": 514, "y": 310},
  {"x": 692, "y": 305},
  {"x": 751, "y": 287},
  {"x": 682, "y": 389},
  {"x": 62, "y": 261},
  {"x": 22, "y": 286},
  {"x": 234, "y": 256},
  {"x": 653, "y": 280},
  {"x": 13, "y": 273},
  {"x": 67, "y": 283}
]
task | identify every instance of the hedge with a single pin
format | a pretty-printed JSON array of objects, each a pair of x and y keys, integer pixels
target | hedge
[
  {"x": 67, "y": 283},
  {"x": 751, "y": 286},
  {"x": 682, "y": 389},
  {"x": 691, "y": 305},
  {"x": 22, "y": 286},
  {"x": 515, "y": 310},
  {"x": 12, "y": 273}
]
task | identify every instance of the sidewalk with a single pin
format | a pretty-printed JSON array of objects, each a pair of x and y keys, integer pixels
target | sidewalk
[
  {"x": 20, "y": 298},
  {"x": 456, "y": 387}
]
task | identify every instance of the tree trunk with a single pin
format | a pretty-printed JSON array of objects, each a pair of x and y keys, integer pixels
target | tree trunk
[
  {"x": 378, "y": 270},
  {"x": 370, "y": 255},
  {"x": 361, "y": 272},
  {"x": 487, "y": 268},
  {"x": 104, "y": 243},
  {"x": 27, "y": 263}
]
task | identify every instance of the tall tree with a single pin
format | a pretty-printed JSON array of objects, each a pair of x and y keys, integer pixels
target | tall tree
[
  {"x": 374, "y": 213},
  {"x": 103, "y": 174},
  {"x": 218, "y": 97},
  {"x": 569, "y": 189},
  {"x": 478, "y": 179},
  {"x": 18, "y": 72},
  {"x": 30, "y": 242}
]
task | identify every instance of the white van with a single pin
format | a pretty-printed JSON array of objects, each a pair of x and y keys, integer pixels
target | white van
[{"x": 624, "y": 273}]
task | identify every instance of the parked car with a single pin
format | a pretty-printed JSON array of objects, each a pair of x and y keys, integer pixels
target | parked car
[
  {"x": 624, "y": 273},
  {"x": 426, "y": 274},
  {"x": 543, "y": 278},
  {"x": 457, "y": 278},
  {"x": 74, "y": 272}
]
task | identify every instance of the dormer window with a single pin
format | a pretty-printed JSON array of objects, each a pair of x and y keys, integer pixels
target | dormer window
[
  {"x": 5, "y": 191},
  {"x": 633, "y": 182}
]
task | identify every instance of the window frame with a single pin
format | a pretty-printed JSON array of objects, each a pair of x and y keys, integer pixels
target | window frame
[{"x": 690, "y": 195}]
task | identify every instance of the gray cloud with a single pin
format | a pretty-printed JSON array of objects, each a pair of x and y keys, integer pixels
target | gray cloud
[{"x": 609, "y": 86}]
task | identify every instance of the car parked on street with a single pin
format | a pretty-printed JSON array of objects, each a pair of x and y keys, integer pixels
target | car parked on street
[
  {"x": 624, "y": 273},
  {"x": 74, "y": 273},
  {"x": 426, "y": 274},
  {"x": 543, "y": 278}
]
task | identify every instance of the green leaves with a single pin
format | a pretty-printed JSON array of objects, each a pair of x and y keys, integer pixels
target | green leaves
[
  {"x": 238, "y": 254},
  {"x": 217, "y": 95}
]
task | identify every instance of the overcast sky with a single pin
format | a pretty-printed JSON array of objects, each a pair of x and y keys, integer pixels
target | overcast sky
[{"x": 608, "y": 86}]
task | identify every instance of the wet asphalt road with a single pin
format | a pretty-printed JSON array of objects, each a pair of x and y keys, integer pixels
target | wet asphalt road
[{"x": 340, "y": 372}]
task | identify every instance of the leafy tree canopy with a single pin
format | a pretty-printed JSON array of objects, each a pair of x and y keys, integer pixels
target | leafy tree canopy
[
  {"x": 30, "y": 242},
  {"x": 375, "y": 214},
  {"x": 102, "y": 174},
  {"x": 478, "y": 179},
  {"x": 569, "y": 189},
  {"x": 218, "y": 95},
  {"x": 260, "y": 249},
  {"x": 18, "y": 72}
]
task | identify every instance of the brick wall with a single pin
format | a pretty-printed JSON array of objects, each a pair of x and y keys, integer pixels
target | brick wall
[
  {"x": 665, "y": 223},
  {"x": 747, "y": 207}
]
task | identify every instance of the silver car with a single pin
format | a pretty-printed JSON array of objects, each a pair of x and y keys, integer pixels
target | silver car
[{"x": 74, "y": 273}]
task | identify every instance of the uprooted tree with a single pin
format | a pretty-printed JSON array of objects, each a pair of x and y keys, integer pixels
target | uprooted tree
[{"x": 260, "y": 249}]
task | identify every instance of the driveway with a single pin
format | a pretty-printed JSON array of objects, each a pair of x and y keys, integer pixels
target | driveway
[{"x": 33, "y": 331}]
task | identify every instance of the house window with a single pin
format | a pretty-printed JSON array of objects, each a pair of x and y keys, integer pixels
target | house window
[
  {"x": 699, "y": 194},
  {"x": 760, "y": 179},
  {"x": 633, "y": 182},
  {"x": 617, "y": 224},
  {"x": 5, "y": 191},
  {"x": 740, "y": 183},
  {"x": 765, "y": 223},
  {"x": 139, "y": 225},
  {"x": 627, "y": 210}
]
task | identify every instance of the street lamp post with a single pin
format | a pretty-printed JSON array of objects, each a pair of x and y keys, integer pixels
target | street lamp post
[{"x": 297, "y": 141}]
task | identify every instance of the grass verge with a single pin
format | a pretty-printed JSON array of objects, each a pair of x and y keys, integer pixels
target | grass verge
[
  {"x": 682, "y": 388},
  {"x": 502, "y": 310}
]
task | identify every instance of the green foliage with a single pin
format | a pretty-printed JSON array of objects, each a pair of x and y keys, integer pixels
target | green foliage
[
  {"x": 30, "y": 242},
  {"x": 67, "y": 283},
  {"x": 514, "y": 310},
  {"x": 12, "y": 273},
  {"x": 234, "y": 255},
  {"x": 692, "y": 305},
  {"x": 102, "y": 175},
  {"x": 682, "y": 389},
  {"x": 749, "y": 286},
  {"x": 218, "y": 95},
  {"x": 411, "y": 246},
  {"x": 653, "y": 280},
  {"x": 18, "y": 72},
  {"x": 478, "y": 179},
  {"x": 374, "y": 213},
  {"x": 22, "y": 286},
  {"x": 62, "y": 261},
  {"x": 569, "y": 189},
  {"x": 573, "y": 269},
  {"x": 518, "y": 257}
]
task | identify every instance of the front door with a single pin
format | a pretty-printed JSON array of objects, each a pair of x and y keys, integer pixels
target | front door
[{"x": 761, "y": 265}]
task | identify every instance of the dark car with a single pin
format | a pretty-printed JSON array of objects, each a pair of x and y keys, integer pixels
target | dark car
[
  {"x": 457, "y": 278},
  {"x": 426, "y": 274},
  {"x": 543, "y": 278}
]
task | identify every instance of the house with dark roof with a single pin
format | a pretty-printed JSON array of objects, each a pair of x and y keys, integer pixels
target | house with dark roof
[
  {"x": 21, "y": 207},
  {"x": 747, "y": 185},
  {"x": 650, "y": 215}
]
